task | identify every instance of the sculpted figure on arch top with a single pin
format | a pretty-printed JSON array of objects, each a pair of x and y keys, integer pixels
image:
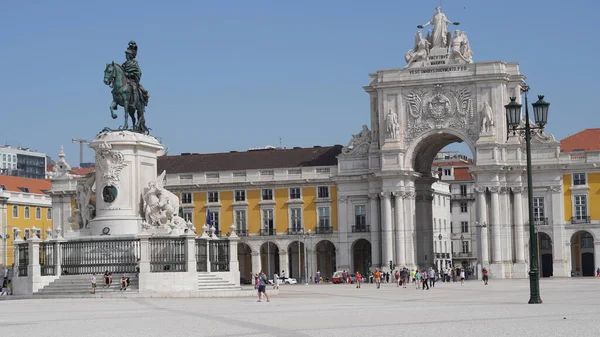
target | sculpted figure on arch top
[{"x": 440, "y": 37}]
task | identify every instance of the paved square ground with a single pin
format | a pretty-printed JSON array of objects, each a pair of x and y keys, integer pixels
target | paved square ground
[{"x": 571, "y": 308}]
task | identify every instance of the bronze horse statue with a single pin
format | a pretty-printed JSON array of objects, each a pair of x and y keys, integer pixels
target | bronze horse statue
[{"x": 123, "y": 95}]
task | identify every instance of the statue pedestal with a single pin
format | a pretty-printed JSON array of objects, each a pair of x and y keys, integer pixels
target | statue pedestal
[{"x": 125, "y": 163}]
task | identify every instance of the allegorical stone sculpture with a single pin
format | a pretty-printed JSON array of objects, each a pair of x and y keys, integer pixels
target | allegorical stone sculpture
[
  {"x": 419, "y": 52},
  {"x": 440, "y": 37},
  {"x": 127, "y": 90},
  {"x": 85, "y": 205},
  {"x": 359, "y": 144},
  {"x": 392, "y": 126},
  {"x": 461, "y": 49},
  {"x": 161, "y": 206}
]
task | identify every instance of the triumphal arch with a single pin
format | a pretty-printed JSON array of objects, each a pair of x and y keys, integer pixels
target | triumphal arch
[{"x": 440, "y": 97}]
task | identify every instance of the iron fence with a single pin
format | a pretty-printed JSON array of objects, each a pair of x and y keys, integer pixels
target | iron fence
[
  {"x": 219, "y": 255},
  {"x": 96, "y": 257},
  {"x": 47, "y": 258},
  {"x": 23, "y": 258},
  {"x": 361, "y": 229},
  {"x": 167, "y": 255},
  {"x": 201, "y": 255}
]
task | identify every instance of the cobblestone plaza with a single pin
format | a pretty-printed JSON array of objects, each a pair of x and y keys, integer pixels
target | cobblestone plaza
[{"x": 498, "y": 309}]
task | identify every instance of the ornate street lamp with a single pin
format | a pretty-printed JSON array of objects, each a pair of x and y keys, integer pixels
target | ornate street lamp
[{"x": 513, "y": 117}]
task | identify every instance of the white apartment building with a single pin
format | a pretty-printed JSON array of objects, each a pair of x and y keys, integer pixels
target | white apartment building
[{"x": 22, "y": 162}]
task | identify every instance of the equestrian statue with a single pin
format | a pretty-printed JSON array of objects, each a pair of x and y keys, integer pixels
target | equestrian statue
[{"x": 127, "y": 91}]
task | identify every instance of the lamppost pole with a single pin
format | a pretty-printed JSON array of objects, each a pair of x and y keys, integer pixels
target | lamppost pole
[{"x": 513, "y": 116}]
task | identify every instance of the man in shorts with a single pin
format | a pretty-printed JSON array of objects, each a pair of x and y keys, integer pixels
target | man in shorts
[
  {"x": 262, "y": 285},
  {"x": 93, "y": 280},
  {"x": 377, "y": 277}
]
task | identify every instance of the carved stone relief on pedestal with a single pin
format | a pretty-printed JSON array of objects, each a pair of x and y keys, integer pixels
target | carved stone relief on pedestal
[{"x": 109, "y": 164}]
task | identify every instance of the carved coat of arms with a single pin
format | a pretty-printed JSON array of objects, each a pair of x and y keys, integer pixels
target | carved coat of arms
[{"x": 109, "y": 164}]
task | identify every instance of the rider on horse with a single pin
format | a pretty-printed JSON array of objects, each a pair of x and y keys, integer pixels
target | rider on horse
[{"x": 134, "y": 73}]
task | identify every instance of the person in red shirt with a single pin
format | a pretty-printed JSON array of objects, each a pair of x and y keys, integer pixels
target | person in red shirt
[
  {"x": 485, "y": 276},
  {"x": 358, "y": 279}
]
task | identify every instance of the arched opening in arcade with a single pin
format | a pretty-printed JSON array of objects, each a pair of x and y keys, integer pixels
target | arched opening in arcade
[
  {"x": 269, "y": 258},
  {"x": 545, "y": 255},
  {"x": 361, "y": 256},
  {"x": 326, "y": 263},
  {"x": 445, "y": 232},
  {"x": 245, "y": 260},
  {"x": 296, "y": 260},
  {"x": 582, "y": 254}
]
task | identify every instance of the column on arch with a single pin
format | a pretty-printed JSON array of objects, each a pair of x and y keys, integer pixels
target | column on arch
[
  {"x": 496, "y": 235},
  {"x": 386, "y": 230},
  {"x": 409, "y": 228},
  {"x": 375, "y": 228},
  {"x": 519, "y": 225},
  {"x": 399, "y": 231},
  {"x": 483, "y": 225}
]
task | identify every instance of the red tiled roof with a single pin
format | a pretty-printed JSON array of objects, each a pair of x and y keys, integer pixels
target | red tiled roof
[
  {"x": 82, "y": 171},
  {"x": 586, "y": 140},
  {"x": 249, "y": 160},
  {"x": 462, "y": 173},
  {"x": 14, "y": 184},
  {"x": 449, "y": 163}
]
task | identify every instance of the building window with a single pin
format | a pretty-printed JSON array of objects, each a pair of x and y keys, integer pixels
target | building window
[
  {"x": 213, "y": 196},
  {"x": 214, "y": 220},
  {"x": 580, "y": 207},
  {"x": 447, "y": 172},
  {"x": 296, "y": 219},
  {"x": 38, "y": 213},
  {"x": 186, "y": 198},
  {"x": 463, "y": 190},
  {"x": 268, "y": 220},
  {"x": 27, "y": 233},
  {"x": 464, "y": 226},
  {"x": 15, "y": 211},
  {"x": 295, "y": 193},
  {"x": 323, "y": 192},
  {"x": 434, "y": 224},
  {"x": 27, "y": 213},
  {"x": 578, "y": 179},
  {"x": 444, "y": 228},
  {"x": 240, "y": 220},
  {"x": 463, "y": 207},
  {"x": 360, "y": 216},
  {"x": 188, "y": 215},
  {"x": 586, "y": 240},
  {"x": 465, "y": 246},
  {"x": 240, "y": 195},
  {"x": 545, "y": 242},
  {"x": 49, "y": 213},
  {"x": 267, "y": 194},
  {"x": 324, "y": 217},
  {"x": 451, "y": 227},
  {"x": 538, "y": 209}
]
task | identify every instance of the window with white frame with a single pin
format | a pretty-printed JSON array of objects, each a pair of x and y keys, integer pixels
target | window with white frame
[
  {"x": 268, "y": 220},
  {"x": 538, "y": 208},
  {"x": 38, "y": 213},
  {"x": 580, "y": 207},
  {"x": 323, "y": 192},
  {"x": 186, "y": 198},
  {"x": 463, "y": 190},
  {"x": 240, "y": 220},
  {"x": 434, "y": 222},
  {"x": 324, "y": 217},
  {"x": 213, "y": 196},
  {"x": 295, "y": 193},
  {"x": 465, "y": 246},
  {"x": 464, "y": 226},
  {"x": 188, "y": 215},
  {"x": 463, "y": 207},
  {"x": 267, "y": 194},
  {"x": 296, "y": 218},
  {"x": 240, "y": 195},
  {"x": 15, "y": 211},
  {"x": 214, "y": 220},
  {"x": 27, "y": 212},
  {"x": 447, "y": 172},
  {"x": 578, "y": 179},
  {"x": 49, "y": 213},
  {"x": 360, "y": 216}
]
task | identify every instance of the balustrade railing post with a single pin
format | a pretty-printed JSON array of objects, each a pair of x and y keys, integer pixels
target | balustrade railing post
[
  {"x": 58, "y": 254},
  {"x": 34, "y": 274},
  {"x": 234, "y": 264},
  {"x": 190, "y": 251},
  {"x": 144, "y": 263}
]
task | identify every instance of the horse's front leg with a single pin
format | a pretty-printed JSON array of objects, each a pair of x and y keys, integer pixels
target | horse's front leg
[
  {"x": 126, "y": 112},
  {"x": 113, "y": 106}
]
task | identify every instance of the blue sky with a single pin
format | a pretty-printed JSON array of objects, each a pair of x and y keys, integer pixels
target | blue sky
[{"x": 230, "y": 75}]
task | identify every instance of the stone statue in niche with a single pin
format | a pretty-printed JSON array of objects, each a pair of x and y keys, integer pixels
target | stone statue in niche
[
  {"x": 392, "y": 126},
  {"x": 161, "y": 207},
  {"x": 419, "y": 52},
  {"x": 461, "y": 49},
  {"x": 487, "y": 119},
  {"x": 86, "y": 207},
  {"x": 359, "y": 142}
]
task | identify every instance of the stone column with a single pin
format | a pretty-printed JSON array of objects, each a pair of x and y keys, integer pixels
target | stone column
[
  {"x": 482, "y": 208},
  {"x": 409, "y": 227},
  {"x": 234, "y": 264},
  {"x": 284, "y": 263},
  {"x": 495, "y": 223},
  {"x": 190, "y": 251},
  {"x": 256, "y": 263},
  {"x": 561, "y": 254},
  {"x": 343, "y": 259},
  {"x": 34, "y": 272},
  {"x": 400, "y": 236},
  {"x": 375, "y": 229},
  {"x": 519, "y": 229},
  {"x": 386, "y": 230}
]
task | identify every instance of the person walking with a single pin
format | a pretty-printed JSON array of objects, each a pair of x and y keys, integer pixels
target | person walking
[
  {"x": 485, "y": 276},
  {"x": 417, "y": 279},
  {"x": 262, "y": 285},
  {"x": 431, "y": 277},
  {"x": 377, "y": 277},
  {"x": 93, "y": 280},
  {"x": 462, "y": 277},
  {"x": 424, "y": 278},
  {"x": 276, "y": 281},
  {"x": 358, "y": 279}
]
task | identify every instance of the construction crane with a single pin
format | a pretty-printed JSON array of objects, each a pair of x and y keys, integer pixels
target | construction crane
[{"x": 81, "y": 142}]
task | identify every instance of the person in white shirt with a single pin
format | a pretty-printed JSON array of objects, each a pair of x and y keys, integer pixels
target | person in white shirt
[
  {"x": 275, "y": 281},
  {"x": 462, "y": 277},
  {"x": 93, "y": 279}
]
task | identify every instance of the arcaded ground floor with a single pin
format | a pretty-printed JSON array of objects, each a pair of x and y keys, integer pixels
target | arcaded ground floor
[{"x": 499, "y": 309}]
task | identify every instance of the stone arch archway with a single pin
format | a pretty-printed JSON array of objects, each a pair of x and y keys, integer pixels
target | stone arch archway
[
  {"x": 582, "y": 254},
  {"x": 422, "y": 150},
  {"x": 361, "y": 256},
  {"x": 297, "y": 260},
  {"x": 326, "y": 258},
  {"x": 546, "y": 259},
  {"x": 269, "y": 258},
  {"x": 245, "y": 260}
]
